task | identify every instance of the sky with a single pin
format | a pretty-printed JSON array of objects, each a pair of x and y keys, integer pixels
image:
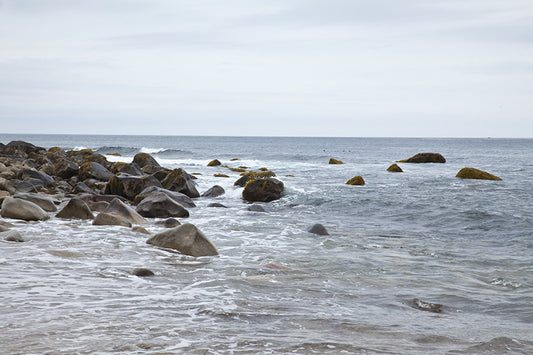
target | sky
[{"x": 349, "y": 68}]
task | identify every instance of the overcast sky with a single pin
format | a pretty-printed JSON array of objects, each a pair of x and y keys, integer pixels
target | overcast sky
[{"x": 406, "y": 68}]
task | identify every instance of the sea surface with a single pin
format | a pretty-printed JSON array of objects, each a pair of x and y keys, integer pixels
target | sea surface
[{"x": 423, "y": 233}]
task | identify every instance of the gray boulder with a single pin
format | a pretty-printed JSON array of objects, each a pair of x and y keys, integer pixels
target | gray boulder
[
  {"x": 21, "y": 209},
  {"x": 44, "y": 202},
  {"x": 119, "y": 208},
  {"x": 94, "y": 170},
  {"x": 180, "y": 198},
  {"x": 215, "y": 191},
  {"x": 37, "y": 177},
  {"x": 318, "y": 229},
  {"x": 256, "y": 208},
  {"x": 12, "y": 236},
  {"x": 187, "y": 239},
  {"x": 142, "y": 272},
  {"x": 109, "y": 219},
  {"x": 159, "y": 205},
  {"x": 76, "y": 208},
  {"x": 169, "y": 223}
]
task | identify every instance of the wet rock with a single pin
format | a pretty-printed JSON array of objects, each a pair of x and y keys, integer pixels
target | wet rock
[
  {"x": 109, "y": 219},
  {"x": 144, "y": 159},
  {"x": 215, "y": 191},
  {"x": 356, "y": 180},
  {"x": 21, "y": 209},
  {"x": 263, "y": 190},
  {"x": 119, "y": 208},
  {"x": 12, "y": 236},
  {"x": 142, "y": 272},
  {"x": 318, "y": 229},
  {"x": 335, "y": 161},
  {"x": 159, "y": 205},
  {"x": 221, "y": 175},
  {"x": 98, "y": 206},
  {"x": 94, "y": 170},
  {"x": 424, "y": 158},
  {"x": 187, "y": 239},
  {"x": 426, "y": 306},
  {"x": 180, "y": 198},
  {"x": 217, "y": 205},
  {"x": 169, "y": 223},
  {"x": 178, "y": 180},
  {"x": 214, "y": 162},
  {"x": 472, "y": 173},
  {"x": 140, "y": 229},
  {"x": 75, "y": 208},
  {"x": 394, "y": 168},
  {"x": 256, "y": 208},
  {"x": 46, "y": 203},
  {"x": 130, "y": 186}
]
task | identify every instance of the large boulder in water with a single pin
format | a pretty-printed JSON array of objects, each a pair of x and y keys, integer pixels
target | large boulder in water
[
  {"x": 178, "y": 180},
  {"x": 21, "y": 209},
  {"x": 214, "y": 162},
  {"x": 187, "y": 239},
  {"x": 263, "y": 190},
  {"x": 472, "y": 173},
  {"x": 143, "y": 159},
  {"x": 129, "y": 186},
  {"x": 425, "y": 158},
  {"x": 159, "y": 205},
  {"x": 356, "y": 180},
  {"x": 394, "y": 168},
  {"x": 318, "y": 229},
  {"x": 335, "y": 161},
  {"x": 110, "y": 219},
  {"x": 46, "y": 203},
  {"x": 119, "y": 208},
  {"x": 76, "y": 208},
  {"x": 94, "y": 170},
  {"x": 215, "y": 191},
  {"x": 180, "y": 198}
]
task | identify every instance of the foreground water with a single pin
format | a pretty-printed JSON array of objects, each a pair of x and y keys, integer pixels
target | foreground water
[{"x": 423, "y": 234}]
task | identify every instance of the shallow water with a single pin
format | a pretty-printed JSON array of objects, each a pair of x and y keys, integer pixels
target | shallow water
[{"x": 423, "y": 234}]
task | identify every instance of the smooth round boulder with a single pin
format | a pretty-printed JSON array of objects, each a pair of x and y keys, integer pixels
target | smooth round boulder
[
  {"x": 394, "y": 168},
  {"x": 263, "y": 190},
  {"x": 109, "y": 219},
  {"x": 159, "y": 205},
  {"x": 21, "y": 209},
  {"x": 356, "y": 180},
  {"x": 473, "y": 173},
  {"x": 143, "y": 159},
  {"x": 119, "y": 208},
  {"x": 318, "y": 229},
  {"x": 424, "y": 158},
  {"x": 214, "y": 191},
  {"x": 187, "y": 239},
  {"x": 142, "y": 272},
  {"x": 75, "y": 208},
  {"x": 44, "y": 202}
]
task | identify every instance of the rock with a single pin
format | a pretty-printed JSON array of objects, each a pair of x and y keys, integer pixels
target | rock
[
  {"x": 98, "y": 206},
  {"x": 109, "y": 219},
  {"x": 76, "y": 208},
  {"x": 472, "y": 173},
  {"x": 221, "y": 175},
  {"x": 263, "y": 190},
  {"x": 159, "y": 205},
  {"x": 132, "y": 169},
  {"x": 12, "y": 236},
  {"x": 180, "y": 198},
  {"x": 169, "y": 223},
  {"x": 94, "y": 170},
  {"x": 424, "y": 158},
  {"x": 178, "y": 180},
  {"x": 140, "y": 229},
  {"x": 215, "y": 191},
  {"x": 144, "y": 159},
  {"x": 37, "y": 177},
  {"x": 187, "y": 239},
  {"x": 21, "y": 209},
  {"x": 82, "y": 187},
  {"x": 252, "y": 175},
  {"x": 256, "y": 208},
  {"x": 22, "y": 186},
  {"x": 119, "y": 208},
  {"x": 130, "y": 186},
  {"x": 426, "y": 306},
  {"x": 142, "y": 272},
  {"x": 335, "y": 161},
  {"x": 356, "y": 180},
  {"x": 46, "y": 203},
  {"x": 394, "y": 168},
  {"x": 66, "y": 169},
  {"x": 214, "y": 162},
  {"x": 318, "y": 229},
  {"x": 20, "y": 146},
  {"x": 217, "y": 205},
  {"x": 4, "y": 193}
]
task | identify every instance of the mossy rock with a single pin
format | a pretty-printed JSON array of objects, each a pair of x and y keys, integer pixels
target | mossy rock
[
  {"x": 234, "y": 159},
  {"x": 265, "y": 174},
  {"x": 142, "y": 159},
  {"x": 238, "y": 170},
  {"x": 335, "y": 161},
  {"x": 94, "y": 170},
  {"x": 54, "y": 150},
  {"x": 221, "y": 175},
  {"x": 178, "y": 180},
  {"x": 424, "y": 158},
  {"x": 263, "y": 190},
  {"x": 394, "y": 168},
  {"x": 214, "y": 162},
  {"x": 472, "y": 173},
  {"x": 356, "y": 180},
  {"x": 114, "y": 154},
  {"x": 289, "y": 175},
  {"x": 263, "y": 169}
]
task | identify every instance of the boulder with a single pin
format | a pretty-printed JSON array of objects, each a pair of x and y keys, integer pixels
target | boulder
[
  {"x": 143, "y": 159},
  {"x": 178, "y": 180},
  {"x": 169, "y": 223},
  {"x": 37, "y": 177},
  {"x": 129, "y": 186},
  {"x": 424, "y": 158},
  {"x": 318, "y": 229},
  {"x": 76, "y": 208},
  {"x": 142, "y": 272},
  {"x": 356, "y": 180},
  {"x": 46, "y": 203},
  {"x": 263, "y": 190},
  {"x": 66, "y": 169},
  {"x": 82, "y": 187},
  {"x": 21, "y": 209},
  {"x": 187, "y": 239},
  {"x": 110, "y": 219},
  {"x": 13, "y": 147},
  {"x": 256, "y": 208},
  {"x": 335, "y": 161},
  {"x": 23, "y": 186},
  {"x": 221, "y": 175},
  {"x": 214, "y": 162},
  {"x": 98, "y": 206},
  {"x": 252, "y": 175},
  {"x": 94, "y": 170},
  {"x": 216, "y": 205},
  {"x": 472, "y": 173},
  {"x": 12, "y": 236},
  {"x": 159, "y": 205},
  {"x": 140, "y": 229},
  {"x": 119, "y": 208},
  {"x": 132, "y": 169},
  {"x": 215, "y": 191},
  {"x": 394, "y": 168}
]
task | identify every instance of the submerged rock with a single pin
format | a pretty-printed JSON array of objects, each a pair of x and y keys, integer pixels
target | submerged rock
[
  {"x": 217, "y": 205},
  {"x": 335, "y": 161},
  {"x": 76, "y": 208},
  {"x": 255, "y": 208},
  {"x": 394, "y": 168},
  {"x": 12, "y": 236},
  {"x": 187, "y": 239},
  {"x": 472, "y": 173},
  {"x": 426, "y": 306},
  {"x": 425, "y": 158},
  {"x": 142, "y": 272},
  {"x": 318, "y": 229},
  {"x": 215, "y": 191},
  {"x": 140, "y": 229},
  {"x": 109, "y": 219},
  {"x": 263, "y": 190},
  {"x": 356, "y": 180},
  {"x": 21, "y": 209},
  {"x": 169, "y": 223}
]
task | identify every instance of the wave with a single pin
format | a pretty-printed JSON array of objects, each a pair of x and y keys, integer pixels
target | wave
[{"x": 131, "y": 151}]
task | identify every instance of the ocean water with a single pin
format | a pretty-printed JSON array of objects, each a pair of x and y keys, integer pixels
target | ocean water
[{"x": 424, "y": 234}]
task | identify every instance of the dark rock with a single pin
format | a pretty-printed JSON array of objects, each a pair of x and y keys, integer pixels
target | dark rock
[
  {"x": 426, "y": 306},
  {"x": 82, "y": 187},
  {"x": 23, "y": 186},
  {"x": 180, "y": 198},
  {"x": 143, "y": 159},
  {"x": 109, "y": 219},
  {"x": 39, "y": 177},
  {"x": 187, "y": 239},
  {"x": 142, "y": 272},
  {"x": 335, "y": 161},
  {"x": 252, "y": 175},
  {"x": 318, "y": 229},
  {"x": 221, "y": 175},
  {"x": 12, "y": 236},
  {"x": 46, "y": 203},
  {"x": 130, "y": 186},
  {"x": 117, "y": 207},
  {"x": 215, "y": 191},
  {"x": 356, "y": 180},
  {"x": 214, "y": 162},
  {"x": 98, "y": 206},
  {"x": 20, "y": 146},
  {"x": 132, "y": 169},
  {"x": 94, "y": 170},
  {"x": 99, "y": 198},
  {"x": 169, "y": 223},
  {"x": 178, "y": 180},
  {"x": 216, "y": 204},
  {"x": 424, "y": 158},
  {"x": 159, "y": 205},
  {"x": 263, "y": 190},
  {"x": 66, "y": 169},
  {"x": 76, "y": 208},
  {"x": 21, "y": 209},
  {"x": 472, "y": 173},
  {"x": 394, "y": 168},
  {"x": 256, "y": 208}
]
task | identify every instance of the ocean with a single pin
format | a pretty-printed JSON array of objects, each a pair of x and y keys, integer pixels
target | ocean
[{"x": 422, "y": 234}]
